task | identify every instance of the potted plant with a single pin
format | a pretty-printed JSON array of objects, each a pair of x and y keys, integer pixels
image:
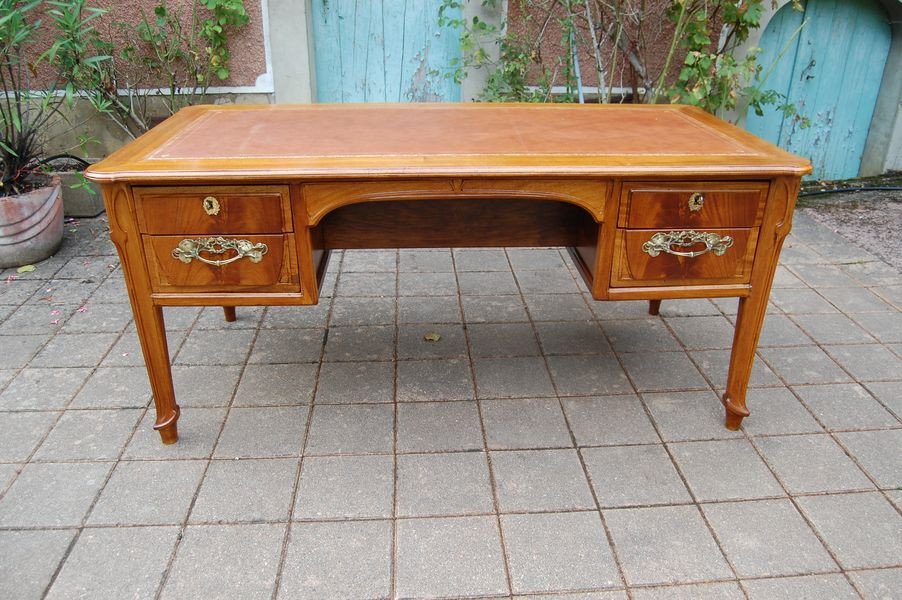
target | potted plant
[{"x": 31, "y": 207}]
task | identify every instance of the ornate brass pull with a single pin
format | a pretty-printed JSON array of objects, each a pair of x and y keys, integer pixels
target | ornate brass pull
[
  {"x": 211, "y": 206},
  {"x": 189, "y": 249},
  {"x": 665, "y": 242},
  {"x": 696, "y": 201}
]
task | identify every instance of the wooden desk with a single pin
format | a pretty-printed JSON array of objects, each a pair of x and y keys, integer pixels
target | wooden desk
[{"x": 241, "y": 205}]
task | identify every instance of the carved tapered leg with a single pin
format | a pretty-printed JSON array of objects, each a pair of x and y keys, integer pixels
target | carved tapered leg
[
  {"x": 229, "y": 313},
  {"x": 654, "y": 307}
]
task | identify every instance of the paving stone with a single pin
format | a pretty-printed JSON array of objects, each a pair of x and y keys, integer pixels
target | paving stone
[
  {"x": 439, "y": 427},
  {"x": 558, "y": 552},
  {"x": 425, "y": 261},
  {"x": 30, "y": 558},
  {"x": 888, "y": 393},
  {"x": 874, "y": 451},
  {"x": 116, "y": 563},
  {"x": 287, "y": 346},
  {"x": 702, "y": 333},
  {"x": 370, "y": 261},
  {"x": 37, "y": 318},
  {"x": 776, "y": 411},
  {"x": 356, "y": 382},
  {"x": 413, "y": 342},
  {"x": 296, "y": 317},
  {"x": 22, "y": 432},
  {"x": 557, "y": 307},
  {"x": 8, "y": 473},
  {"x": 429, "y": 309},
  {"x": 487, "y": 284},
  {"x": 875, "y": 272},
  {"x": 878, "y": 584},
  {"x": 512, "y": 378},
  {"x": 17, "y": 291},
  {"x": 634, "y": 476},
  {"x": 494, "y": 309},
  {"x": 535, "y": 259},
  {"x": 652, "y": 545},
  {"x": 833, "y": 329},
  {"x": 662, "y": 371},
  {"x": 427, "y": 284},
  {"x": 98, "y": 318},
  {"x": 181, "y": 317},
  {"x": 801, "y": 301},
  {"x": 863, "y": 530},
  {"x": 459, "y": 556},
  {"x": 263, "y": 432},
  {"x": 205, "y": 385},
  {"x": 845, "y": 406},
  {"x": 811, "y": 463},
  {"x": 426, "y": 380},
  {"x": 148, "y": 493},
  {"x": 355, "y": 312},
  {"x": 217, "y": 347},
  {"x": 112, "y": 290},
  {"x": 708, "y": 467},
  {"x": 635, "y": 335},
  {"x": 86, "y": 266},
  {"x": 368, "y": 283},
  {"x": 589, "y": 375},
  {"x": 198, "y": 430},
  {"x": 337, "y": 560},
  {"x": 264, "y": 493},
  {"x": 767, "y": 538},
  {"x": 525, "y": 423},
  {"x": 114, "y": 387},
  {"x": 784, "y": 278},
  {"x": 715, "y": 365},
  {"x": 824, "y": 276},
  {"x": 360, "y": 343},
  {"x": 543, "y": 282},
  {"x": 803, "y": 365},
  {"x": 886, "y": 327},
  {"x": 540, "y": 480},
  {"x": 797, "y": 253},
  {"x": 685, "y": 416},
  {"x": 345, "y": 487},
  {"x": 572, "y": 337},
  {"x": 351, "y": 428},
  {"x": 127, "y": 351},
  {"x": 696, "y": 591},
  {"x": 503, "y": 339},
  {"x": 443, "y": 484},
  {"x": 74, "y": 350},
  {"x": 246, "y": 317},
  {"x": 52, "y": 495},
  {"x": 65, "y": 291},
  {"x": 239, "y": 561},
  {"x": 38, "y": 388},
  {"x": 606, "y": 595},
  {"x": 480, "y": 259},
  {"x": 855, "y": 300},
  {"x": 268, "y": 385},
  {"x": 780, "y": 330},
  {"x": 870, "y": 362},
  {"x": 89, "y": 435},
  {"x": 609, "y": 420}
]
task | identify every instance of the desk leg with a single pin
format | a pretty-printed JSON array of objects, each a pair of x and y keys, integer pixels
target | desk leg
[
  {"x": 152, "y": 332},
  {"x": 745, "y": 340},
  {"x": 229, "y": 313}
]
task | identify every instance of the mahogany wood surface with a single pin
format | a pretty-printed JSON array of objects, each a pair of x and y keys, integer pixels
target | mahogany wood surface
[{"x": 600, "y": 180}]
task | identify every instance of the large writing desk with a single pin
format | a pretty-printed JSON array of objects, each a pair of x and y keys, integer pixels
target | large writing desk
[{"x": 241, "y": 205}]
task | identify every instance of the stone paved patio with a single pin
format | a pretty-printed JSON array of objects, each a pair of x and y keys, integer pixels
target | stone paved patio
[{"x": 548, "y": 446}]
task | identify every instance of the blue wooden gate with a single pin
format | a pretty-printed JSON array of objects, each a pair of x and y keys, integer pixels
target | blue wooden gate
[
  {"x": 382, "y": 51},
  {"x": 831, "y": 70}
]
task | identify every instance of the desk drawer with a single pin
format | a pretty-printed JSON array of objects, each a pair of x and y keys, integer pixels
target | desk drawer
[
  {"x": 677, "y": 258},
  {"x": 212, "y": 210},
  {"x": 222, "y": 263},
  {"x": 691, "y": 205}
]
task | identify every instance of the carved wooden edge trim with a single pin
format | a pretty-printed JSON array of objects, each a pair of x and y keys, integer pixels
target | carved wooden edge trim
[
  {"x": 733, "y": 407},
  {"x": 786, "y": 191},
  {"x": 163, "y": 421}
]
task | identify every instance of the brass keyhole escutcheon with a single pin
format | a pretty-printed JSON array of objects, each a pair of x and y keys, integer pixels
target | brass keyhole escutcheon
[
  {"x": 211, "y": 206},
  {"x": 696, "y": 201}
]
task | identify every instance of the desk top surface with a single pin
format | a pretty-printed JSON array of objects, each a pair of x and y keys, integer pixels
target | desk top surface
[{"x": 260, "y": 142}]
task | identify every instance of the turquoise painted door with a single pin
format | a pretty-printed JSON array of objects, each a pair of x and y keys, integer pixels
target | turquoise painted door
[
  {"x": 382, "y": 51},
  {"x": 831, "y": 70}
]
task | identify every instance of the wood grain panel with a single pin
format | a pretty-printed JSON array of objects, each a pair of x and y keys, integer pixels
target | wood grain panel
[
  {"x": 636, "y": 268},
  {"x": 652, "y": 205}
]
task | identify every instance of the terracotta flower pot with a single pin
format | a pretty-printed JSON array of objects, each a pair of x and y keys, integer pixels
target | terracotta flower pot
[{"x": 31, "y": 225}]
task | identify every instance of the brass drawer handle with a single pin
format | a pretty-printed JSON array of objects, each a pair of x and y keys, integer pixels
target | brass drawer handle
[
  {"x": 696, "y": 201},
  {"x": 211, "y": 205},
  {"x": 190, "y": 249},
  {"x": 665, "y": 242}
]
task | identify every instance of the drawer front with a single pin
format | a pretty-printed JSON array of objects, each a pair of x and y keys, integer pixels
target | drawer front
[
  {"x": 692, "y": 205},
  {"x": 198, "y": 264},
  {"x": 667, "y": 258},
  {"x": 213, "y": 210}
]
